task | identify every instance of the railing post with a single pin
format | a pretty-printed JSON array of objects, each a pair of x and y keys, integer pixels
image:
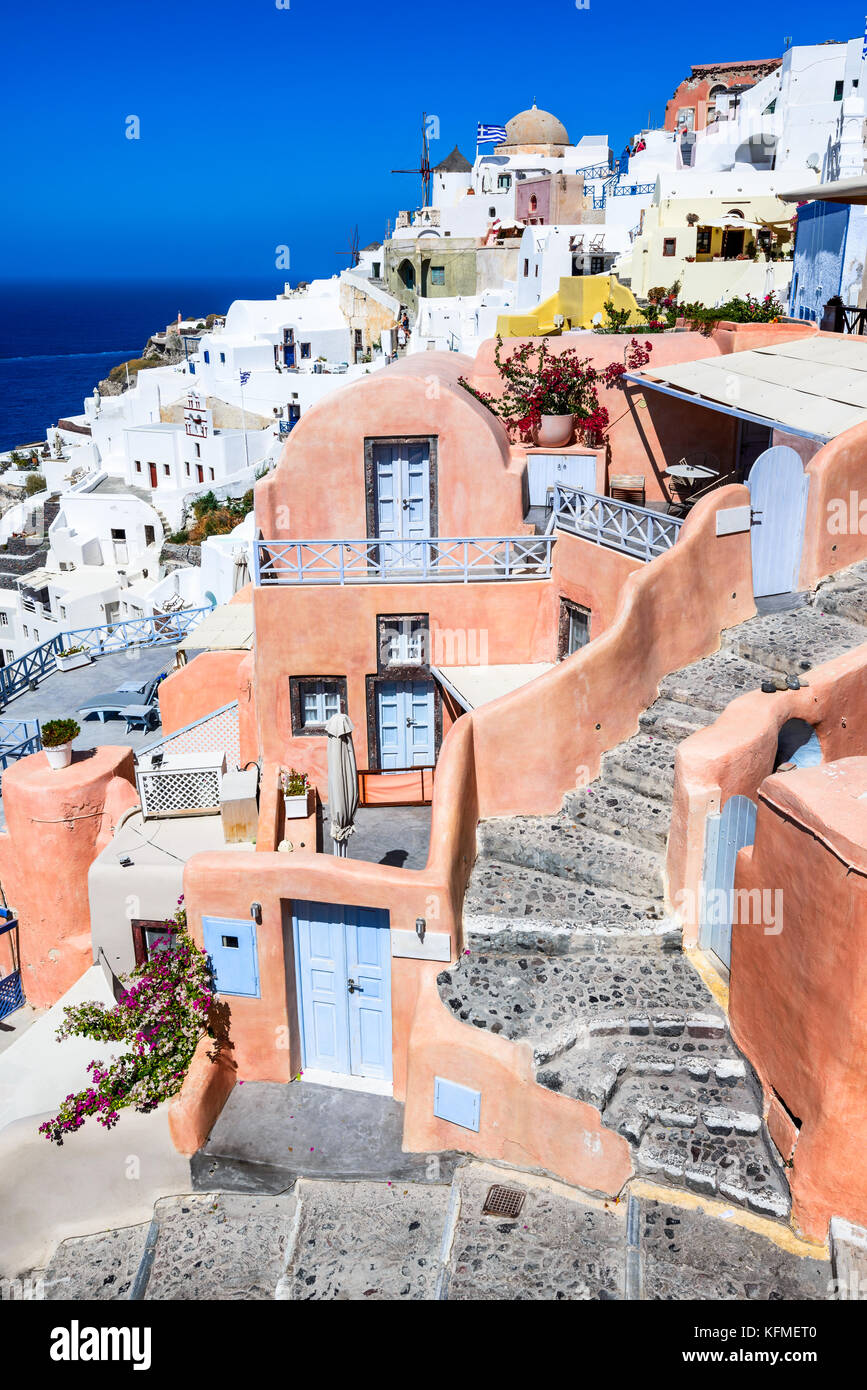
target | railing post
[{"x": 342, "y": 563}]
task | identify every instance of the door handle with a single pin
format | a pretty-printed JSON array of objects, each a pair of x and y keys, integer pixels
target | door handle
[
  {"x": 405, "y": 503},
  {"x": 410, "y": 723},
  {"x": 352, "y": 987},
  {"x": 754, "y": 518}
]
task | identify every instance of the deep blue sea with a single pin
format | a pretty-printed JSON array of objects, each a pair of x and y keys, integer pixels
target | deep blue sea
[{"x": 57, "y": 341}]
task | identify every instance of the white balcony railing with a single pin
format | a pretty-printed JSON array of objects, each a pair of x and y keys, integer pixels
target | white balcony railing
[
  {"x": 437, "y": 559},
  {"x": 621, "y": 526}
]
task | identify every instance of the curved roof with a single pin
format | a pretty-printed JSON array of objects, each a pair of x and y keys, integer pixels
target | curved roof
[{"x": 535, "y": 127}]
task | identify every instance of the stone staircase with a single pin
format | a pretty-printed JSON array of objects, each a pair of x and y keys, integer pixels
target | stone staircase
[{"x": 569, "y": 948}]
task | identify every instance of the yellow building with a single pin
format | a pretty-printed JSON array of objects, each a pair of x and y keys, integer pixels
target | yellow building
[{"x": 578, "y": 303}]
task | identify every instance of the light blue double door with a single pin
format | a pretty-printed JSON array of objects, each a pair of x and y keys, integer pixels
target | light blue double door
[
  {"x": 343, "y": 977},
  {"x": 405, "y": 718},
  {"x": 402, "y": 501}
]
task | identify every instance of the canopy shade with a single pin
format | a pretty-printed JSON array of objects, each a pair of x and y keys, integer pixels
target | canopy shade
[
  {"x": 226, "y": 629},
  {"x": 815, "y": 387},
  {"x": 852, "y": 190},
  {"x": 472, "y": 686}
]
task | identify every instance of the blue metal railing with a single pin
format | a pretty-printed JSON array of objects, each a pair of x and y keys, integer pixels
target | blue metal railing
[
  {"x": 636, "y": 531},
  {"x": 18, "y": 737},
  {"x": 11, "y": 993},
  {"x": 157, "y": 631}
]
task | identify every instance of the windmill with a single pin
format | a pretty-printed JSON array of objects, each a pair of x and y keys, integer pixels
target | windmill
[
  {"x": 352, "y": 253},
  {"x": 424, "y": 168}
]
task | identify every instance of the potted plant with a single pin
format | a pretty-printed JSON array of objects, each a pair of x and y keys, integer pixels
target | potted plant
[
  {"x": 296, "y": 789},
  {"x": 71, "y": 657},
  {"x": 57, "y": 736}
]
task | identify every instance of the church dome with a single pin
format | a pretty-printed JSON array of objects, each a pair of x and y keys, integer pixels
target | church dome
[{"x": 535, "y": 127}]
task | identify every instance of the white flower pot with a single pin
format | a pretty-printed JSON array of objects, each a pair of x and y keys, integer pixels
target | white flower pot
[
  {"x": 69, "y": 663},
  {"x": 59, "y": 757},
  {"x": 296, "y": 806}
]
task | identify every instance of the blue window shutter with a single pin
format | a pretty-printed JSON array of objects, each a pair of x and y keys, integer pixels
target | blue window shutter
[
  {"x": 231, "y": 944},
  {"x": 457, "y": 1104}
]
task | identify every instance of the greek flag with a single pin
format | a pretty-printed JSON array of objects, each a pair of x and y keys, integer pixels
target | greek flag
[
  {"x": 864, "y": 45},
  {"x": 490, "y": 134},
  {"x": 245, "y": 377}
]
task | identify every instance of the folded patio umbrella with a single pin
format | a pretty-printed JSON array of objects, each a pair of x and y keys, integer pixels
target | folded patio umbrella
[
  {"x": 241, "y": 575},
  {"x": 342, "y": 781}
]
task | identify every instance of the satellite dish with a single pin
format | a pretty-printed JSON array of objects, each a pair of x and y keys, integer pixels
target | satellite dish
[
  {"x": 597, "y": 319},
  {"x": 813, "y": 162}
]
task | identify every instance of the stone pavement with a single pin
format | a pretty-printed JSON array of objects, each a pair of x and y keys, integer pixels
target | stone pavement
[{"x": 407, "y": 1241}]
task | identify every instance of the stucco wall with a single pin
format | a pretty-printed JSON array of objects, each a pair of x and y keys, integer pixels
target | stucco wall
[
  {"x": 209, "y": 681},
  {"x": 835, "y": 536}
]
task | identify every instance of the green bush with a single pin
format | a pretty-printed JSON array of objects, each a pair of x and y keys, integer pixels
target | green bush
[
  {"x": 33, "y": 483},
  {"x": 138, "y": 364},
  {"x": 179, "y": 538},
  {"x": 56, "y": 732}
]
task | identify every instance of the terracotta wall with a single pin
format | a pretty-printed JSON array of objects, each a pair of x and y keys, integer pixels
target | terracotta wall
[
  {"x": 799, "y": 998},
  {"x": 318, "y": 489},
  {"x": 837, "y": 473},
  {"x": 551, "y": 734},
  {"x": 736, "y": 753},
  {"x": 205, "y": 684},
  {"x": 58, "y": 822}
]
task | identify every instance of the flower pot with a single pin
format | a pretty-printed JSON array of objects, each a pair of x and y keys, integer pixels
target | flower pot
[
  {"x": 554, "y": 431},
  {"x": 59, "y": 757},
  {"x": 69, "y": 663},
  {"x": 296, "y": 806}
]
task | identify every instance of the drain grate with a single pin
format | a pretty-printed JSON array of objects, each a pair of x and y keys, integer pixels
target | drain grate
[{"x": 503, "y": 1201}]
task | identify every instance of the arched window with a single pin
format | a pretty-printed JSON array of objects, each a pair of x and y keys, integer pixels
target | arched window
[
  {"x": 533, "y": 203},
  {"x": 406, "y": 271}
]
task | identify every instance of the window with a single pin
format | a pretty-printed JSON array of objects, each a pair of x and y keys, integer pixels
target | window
[
  {"x": 138, "y": 465},
  {"x": 211, "y": 474},
  {"x": 492, "y": 212},
  {"x": 222, "y": 357},
  {"x": 305, "y": 349},
  {"x": 117, "y": 534},
  {"x": 437, "y": 274},
  {"x": 313, "y": 700},
  {"x": 150, "y": 535},
  {"x": 597, "y": 265},
  {"x": 207, "y": 355},
  {"x": 838, "y": 91},
  {"x": 702, "y": 241},
  {"x": 403, "y": 640},
  {"x": 669, "y": 245},
  {"x": 533, "y": 202},
  {"x": 536, "y": 270},
  {"x": 198, "y": 449},
  {"x": 4, "y": 619},
  {"x": 376, "y": 267},
  {"x": 526, "y": 268},
  {"x": 167, "y": 470},
  {"x": 187, "y": 469},
  {"x": 26, "y": 633},
  {"x": 504, "y": 181},
  {"x": 148, "y": 937},
  {"x": 10, "y": 656},
  {"x": 35, "y": 634},
  {"x": 574, "y": 630}
]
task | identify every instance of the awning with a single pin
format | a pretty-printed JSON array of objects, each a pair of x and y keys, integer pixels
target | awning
[
  {"x": 814, "y": 387},
  {"x": 472, "y": 686},
  {"x": 228, "y": 628},
  {"x": 852, "y": 190}
]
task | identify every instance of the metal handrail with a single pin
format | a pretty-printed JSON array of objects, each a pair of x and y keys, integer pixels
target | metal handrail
[
  {"x": 428, "y": 559},
  {"x": 637, "y": 531}
]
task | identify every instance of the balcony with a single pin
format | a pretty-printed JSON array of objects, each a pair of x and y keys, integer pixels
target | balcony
[
  {"x": 636, "y": 531},
  {"x": 428, "y": 560}
]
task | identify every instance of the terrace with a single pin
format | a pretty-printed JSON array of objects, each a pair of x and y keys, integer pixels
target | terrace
[{"x": 422, "y": 560}]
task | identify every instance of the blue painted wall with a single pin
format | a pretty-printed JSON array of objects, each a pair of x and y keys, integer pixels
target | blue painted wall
[{"x": 819, "y": 250}]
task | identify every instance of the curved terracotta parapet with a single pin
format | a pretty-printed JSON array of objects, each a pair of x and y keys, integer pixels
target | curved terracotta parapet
[
  {"x": 58, "y": 822},
  {"x": 835, "y": 530},
  {"x": 520, "y": 1122},
  {"x": 799, "y": 992},
  {"x": 206, "y": 1087},
  {"x": 734, "y": 755},
  {"x": 537, "y": 743}
]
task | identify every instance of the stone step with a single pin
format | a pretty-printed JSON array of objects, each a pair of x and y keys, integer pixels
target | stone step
[
  {"x": 678, "y": 1102},
  {"x": 591, "y": 1070},
  {"x": 576, "y": 853},
  {"x": 619, "y": 812},
  {"x": 673, "y": 720},
  {"x": 737, "y": 1168},
  {"x": 712, "y": 683},
  {"x": 644, "y": 764},
  {"x": 795, "y": 641},
  {"x": 509, "y": 907},
  {"x": 845, "y": 595}
]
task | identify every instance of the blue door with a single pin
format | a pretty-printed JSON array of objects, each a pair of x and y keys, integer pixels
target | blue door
[
  {"x": 726, "y": 833},
  {"x": 402, "y": 499},
  {"x": 778, "y": 497},
  {"x": 231, "y": 944},
  {"x": 343, "y": 959},
  {"x": 405, "y": 717}
]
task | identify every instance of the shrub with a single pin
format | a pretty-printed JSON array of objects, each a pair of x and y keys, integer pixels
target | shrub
[
  {"x": 293, "y": 782},
  {"x": 56, "y": 732},
  {"x": 167, "y": 1006},
  {"x": 33, "y": 483},
  {"x": 215, "y": 523},
  {"x": 138, "y": 364},
  {"x": 72, "y": 651},
  {"x": 179, "y": 538}
]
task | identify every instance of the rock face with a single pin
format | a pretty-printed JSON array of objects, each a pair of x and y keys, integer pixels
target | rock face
[{"x": 569, "y": 949}]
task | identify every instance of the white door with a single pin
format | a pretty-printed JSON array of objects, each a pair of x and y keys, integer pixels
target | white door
[
  {"x": 544, "y": 471},
  {"x": 778, "y": 497}
]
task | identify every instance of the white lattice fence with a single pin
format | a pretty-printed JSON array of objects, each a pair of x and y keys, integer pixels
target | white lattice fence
[{"x": 217, "y": 733}]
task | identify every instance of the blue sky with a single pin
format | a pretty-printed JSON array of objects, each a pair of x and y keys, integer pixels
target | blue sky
[{"x": 263, "y": 126}]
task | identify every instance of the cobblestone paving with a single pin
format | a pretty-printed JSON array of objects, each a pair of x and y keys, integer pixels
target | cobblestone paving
[{"x": 402, "y": 1242}]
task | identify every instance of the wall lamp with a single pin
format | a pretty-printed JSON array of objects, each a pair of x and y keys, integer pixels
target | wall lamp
[
  {"x": 256, "y": 912},
  {"x": 420, "y": 928}
]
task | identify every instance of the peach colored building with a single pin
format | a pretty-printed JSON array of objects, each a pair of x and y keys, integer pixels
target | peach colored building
[{"x": 693, "y": 105}]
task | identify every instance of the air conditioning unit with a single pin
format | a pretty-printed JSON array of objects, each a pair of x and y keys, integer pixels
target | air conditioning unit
[{"x": 182, "y": 784}]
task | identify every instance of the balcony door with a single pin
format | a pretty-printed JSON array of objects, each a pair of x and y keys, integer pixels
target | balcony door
[
  {"x": 405, "y": 718},
  {"x": 401, "y": 503}
]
